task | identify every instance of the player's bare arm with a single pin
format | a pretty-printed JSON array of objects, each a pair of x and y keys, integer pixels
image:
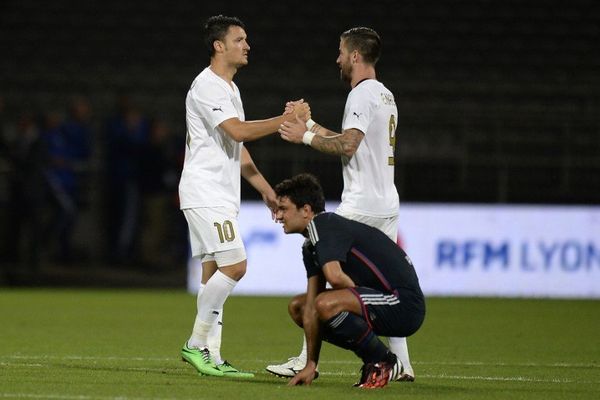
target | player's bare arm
[
  {"x": 343, "y": 144},
  {"x": 311, "y": 324},
  {"x": 246, "y": 131},
  {"x": 324, "y": 140},
  {"x": 336, "y": 276},
  {"x": 251, "y": 174}
]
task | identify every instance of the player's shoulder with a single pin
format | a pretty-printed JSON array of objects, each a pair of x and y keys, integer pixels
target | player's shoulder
[
  {"x": 368, "y": 86},
  {"x": 326, "y": 217},
  {"x": 206, "y": 82},
  {"x": 320, "y": 225},
  {"x": 381, "y": 95},
  {"x": 368, "y": 90},
  {"x": 327, "y": 220}
]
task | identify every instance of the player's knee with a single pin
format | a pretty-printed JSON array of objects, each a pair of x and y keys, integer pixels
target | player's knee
[
  {"x": 326, "y": 306},
  {"x": 296, "y": 308},
  {"x": 235, "y": 272},
  {"x": 240, "y": 271}
]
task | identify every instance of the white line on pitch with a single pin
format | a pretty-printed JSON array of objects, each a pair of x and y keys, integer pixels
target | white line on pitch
[
  {"x": 19, "y": 364},
  {"x": 73, "y": 397},
  {"x": 357, "y": 362},
  {"x": 475, "y": 378},
  {"x": 348, "y": 374}
]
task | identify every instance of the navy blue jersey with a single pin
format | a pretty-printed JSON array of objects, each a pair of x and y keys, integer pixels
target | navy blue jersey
[{"x": 365, "y": 253}]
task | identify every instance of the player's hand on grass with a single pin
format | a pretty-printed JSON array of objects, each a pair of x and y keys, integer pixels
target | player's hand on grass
[{"x": 304, "y": 377}]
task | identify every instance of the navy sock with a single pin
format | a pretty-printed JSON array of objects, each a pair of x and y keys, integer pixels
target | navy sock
[{"x": 352, "y": 332}]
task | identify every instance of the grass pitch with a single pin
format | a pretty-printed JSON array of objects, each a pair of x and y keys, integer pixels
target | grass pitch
[{"x": 79, "y": 345}]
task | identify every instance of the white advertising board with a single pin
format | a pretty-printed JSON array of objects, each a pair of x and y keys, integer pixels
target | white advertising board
[{"x": 457, "y": 250}]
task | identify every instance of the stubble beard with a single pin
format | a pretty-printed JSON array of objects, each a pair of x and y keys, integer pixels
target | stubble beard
[{"x": 345, "y": 74}]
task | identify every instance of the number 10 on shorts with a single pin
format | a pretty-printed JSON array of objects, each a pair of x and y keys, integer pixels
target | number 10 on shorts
[{"x": 225, "y": 231}]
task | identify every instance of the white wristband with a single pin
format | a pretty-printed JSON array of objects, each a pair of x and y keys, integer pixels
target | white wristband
[
  {"x": 310, "y": 123},
  {"x": 308, "y": 137}
]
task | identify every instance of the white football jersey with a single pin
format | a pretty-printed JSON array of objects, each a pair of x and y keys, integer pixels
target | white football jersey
[
  {"x": 369, "y": 175},
  {"x": 211, "y": 170}
]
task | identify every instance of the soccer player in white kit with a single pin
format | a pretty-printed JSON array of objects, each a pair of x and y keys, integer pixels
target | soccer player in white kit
[
  {"x": 366, "y": 146},
  {"x": 209, "y": 188}
]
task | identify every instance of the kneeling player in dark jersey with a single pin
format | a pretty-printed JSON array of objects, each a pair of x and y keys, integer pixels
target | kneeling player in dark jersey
[{"x": 375, "y": 289}]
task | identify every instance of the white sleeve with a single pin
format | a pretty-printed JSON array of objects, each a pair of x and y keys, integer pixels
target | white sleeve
[
  {"x": 358, "y": 111},
  {"x": 213, "y": 103}
]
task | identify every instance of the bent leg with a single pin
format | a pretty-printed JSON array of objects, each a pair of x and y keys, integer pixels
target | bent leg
[
  {"x": 296, "y": 308},
  {"x": 346, "y": 327}
]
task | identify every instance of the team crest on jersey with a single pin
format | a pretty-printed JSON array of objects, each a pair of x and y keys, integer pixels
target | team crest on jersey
[{"x": 388, "y": 99}]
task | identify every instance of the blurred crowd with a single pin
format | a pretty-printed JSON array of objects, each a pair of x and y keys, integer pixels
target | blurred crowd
[{"x": 79, "y": 189}]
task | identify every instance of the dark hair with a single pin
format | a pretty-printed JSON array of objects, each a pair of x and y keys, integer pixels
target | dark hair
[
  {"x": 216, "y": 28},
  {"x": 365, "y": 40},
  {"x": 303, "y": 189}
]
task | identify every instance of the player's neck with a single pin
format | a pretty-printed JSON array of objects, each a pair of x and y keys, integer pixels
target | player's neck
[
  {"x": 224, "y": 71},
  {"x": 362, "y": 72}
]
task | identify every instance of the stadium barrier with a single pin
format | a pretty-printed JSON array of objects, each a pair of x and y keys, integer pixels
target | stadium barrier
[{"x": 457, "y": 250}]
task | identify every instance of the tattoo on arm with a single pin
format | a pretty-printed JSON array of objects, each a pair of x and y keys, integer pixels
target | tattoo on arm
[
  {"x": 319, "y": 130},
  {"x": 328, "y": 145},
  {"x": 329, "y": 142}
]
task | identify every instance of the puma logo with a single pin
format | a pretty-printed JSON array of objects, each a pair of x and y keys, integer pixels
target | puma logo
[
  {"x": 217, "y": 109},
  {"x": 357, "y": 115}
]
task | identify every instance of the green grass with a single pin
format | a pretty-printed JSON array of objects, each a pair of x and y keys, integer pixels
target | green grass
[{"x": 75, "y": 344}]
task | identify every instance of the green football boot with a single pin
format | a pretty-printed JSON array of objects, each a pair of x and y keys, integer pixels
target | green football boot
[
  {"x": 229, "y": 370},
  {"x": 201, "y": 360}
]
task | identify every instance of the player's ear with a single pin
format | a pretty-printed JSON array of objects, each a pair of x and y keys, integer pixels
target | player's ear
[
  {"x": 218, "y": 46},
  {"x": 307, "y": 209}
]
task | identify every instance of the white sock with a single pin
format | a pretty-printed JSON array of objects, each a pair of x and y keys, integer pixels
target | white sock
[
  {"x": 399, "y": 347},
  {"x": 198, "y": 338},
  {"x": 194, "y": 342},
  {"x": 214, "y": 339},
  {"x": 303, "y": 354},
  {"x": 210, "y": 305},
  {"x": 214, "y": 335}
]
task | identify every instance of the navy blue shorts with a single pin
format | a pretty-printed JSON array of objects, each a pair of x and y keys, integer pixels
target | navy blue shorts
[{"x": 388, "y": 314}]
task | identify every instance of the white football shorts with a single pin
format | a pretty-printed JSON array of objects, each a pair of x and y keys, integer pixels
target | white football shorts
[
  {"x": 215, "y": 235},
  {"x": 387, "y": 225}
]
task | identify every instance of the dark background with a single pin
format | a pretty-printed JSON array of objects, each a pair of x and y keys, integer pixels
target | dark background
[{"x": 499, "y": 102}]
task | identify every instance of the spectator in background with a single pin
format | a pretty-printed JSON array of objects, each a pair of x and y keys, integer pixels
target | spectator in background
[
  {"x": 77, "y": 131},
  {"x": 61, "y": 179},
  {"x": 76, "y": 134},
  {"x": 2, "y": 123},
  {"x": 158, "y": 186},
  {"x": 68, "y": 146},
  {"x": 126, "y": 136},
  {"x": 26, "y": 155}
]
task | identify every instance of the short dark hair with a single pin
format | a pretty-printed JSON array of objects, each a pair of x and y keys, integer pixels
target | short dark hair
[
  {"x": 365, "y": 40},
  {"x": 216, "y": 28},
  {"x": 303, "y": 189}
]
